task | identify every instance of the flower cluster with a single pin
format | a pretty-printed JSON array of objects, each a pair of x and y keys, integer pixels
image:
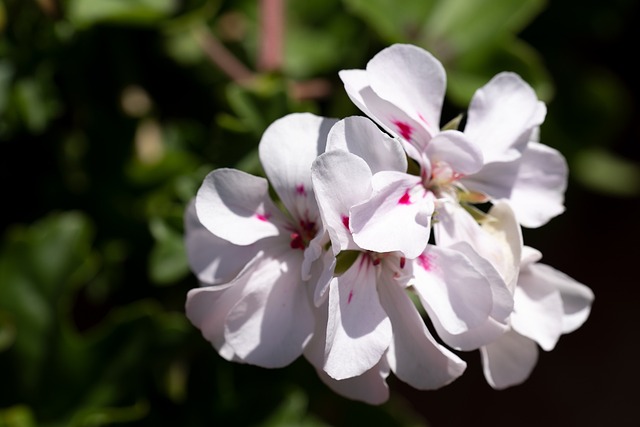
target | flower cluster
[{"x": 382, "y": 226}]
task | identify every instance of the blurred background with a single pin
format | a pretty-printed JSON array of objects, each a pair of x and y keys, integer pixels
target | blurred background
[{"x": 112, "y": 112}]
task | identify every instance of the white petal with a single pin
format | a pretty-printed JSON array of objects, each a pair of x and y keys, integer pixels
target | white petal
[
  {"x": 321, "y": 276},
  {"x": 509, "y": 361},
  {"x": 207, "y": 309},
  {"x": 412, "y": 79},
  {"x": 271, "y": 323},
  {"x": 487, "y": 332},
  {"x": 360, "y": 136},
  {"x": 213, "y": 259},
  {"x": 287, "y": 149},
  {"x": 452, "y": 289},
  {"x": 369, "y": 387},
  {"x": 235, "y": 206},
  {"x": 358, "y": 330},
  {"x": 502, "y": 116},
  {"x": 453, "y": 148},
  {"x": 341, "y": 180},
  {"x": 355, "y": 81},
  {"x": 495, "y": 179},
  {"x": 414, "y": 356},
  {"x": 538, "y": 310},
  {"x": 499, "y": 240},
  {"x": 395, "y": 218},
  {"x": 538, "y": 192},
  {"x": 576, "y": 298},
  {"x": 413, "y": 135}
]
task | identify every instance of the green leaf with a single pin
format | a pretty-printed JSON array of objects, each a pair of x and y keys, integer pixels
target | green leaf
[
  {"x": 607, "y": 173},
  {"x": 168, "y": 260},
  {"x": 85, "y": 13},
  {"x": 395, "y": 23},
  {"x": 458, "y": 28}
]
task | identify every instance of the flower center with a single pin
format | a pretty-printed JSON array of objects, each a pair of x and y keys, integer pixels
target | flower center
[{"x": 301, "y": 236}]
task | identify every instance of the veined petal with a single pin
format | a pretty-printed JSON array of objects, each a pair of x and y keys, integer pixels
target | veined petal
[
  {"x": 358, "y": 329},
  {"x": 509, "y": 360},
  {"x": 452, "y": 289},
  {"x": 502, "y": 115},
  {"x": 414, "y": 356},
  {"x": 212, "y": 259},
  {"x": 370, "y": 387},
  {"x": 360, "y": 136},
  {"x": 287, "y": 149},
  {"x": 453, "y": 148},
  {"x": 537, "y": 311},
  {"x": 341, "y": 180},
  {"x": 272, "y": 321},
  {"x": 412, "y": 79},
  {"x": 236, "y": 207},
  {"x": 397, "y": 217},
  {"x": 538, "y": 192}
]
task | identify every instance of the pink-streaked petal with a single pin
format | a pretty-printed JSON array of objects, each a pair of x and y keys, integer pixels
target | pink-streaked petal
[
  {"x": 414, "y": 356},
  {"x": 287, "y": 149},
  {"x": 537, "y": 311},
  {"x": 370, "y": 387},
  {"x": 576, "y": 298},
  {"x": 396, "y": 218},
  {"x": 509, "y": 360},
  {"x": 273, "y": 320},
  {"x": 502, "y": 116},
  {"x": 358, "y": 329},
  {"x": 214, "y": 260},
  {"x": 453, "y": 148},
  {"x": 341, "y": 180},
  {"x": 538, "y": 192},
  {"x": 207, "y": 309},
  {"x": 360, "y": 136},
  {"x": 452, "y": 289},
  {"x": 236, "y": 207},
  {"x": 412, "y": 79}
]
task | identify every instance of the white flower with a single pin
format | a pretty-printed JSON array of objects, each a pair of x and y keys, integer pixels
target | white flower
[
  {"x": 260, "y": 313},
  {"x": 372, "y": 325},
  {"x": 495, "y": 158},
  {"x": 403, "y": 89},
  {"x": 547, "y": 304}
]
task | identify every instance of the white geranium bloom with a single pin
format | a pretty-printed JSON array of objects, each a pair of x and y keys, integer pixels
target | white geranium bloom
[
  {"x": 495, "y": 158},
  {"x": 370, "y": 316},
  {"x": 403, "y": 89},
  {"x": 547, "y": 304},
  {"x": 257, "y": 308}
]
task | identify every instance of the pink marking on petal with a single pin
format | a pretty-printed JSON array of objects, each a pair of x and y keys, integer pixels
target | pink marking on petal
[
  {"x": 350, "y": 296},
  {"x": 426, "y": 262},
  {"x": 345, "y": 221},
  {"x": 300, "y": 190},
  {"x": 403, "y": 260},
  {"x": 405, "y": 199},
  {"x": 404, "y": 128},
  {"x": 421, "y": 117},
  {"x": 263, "y": 217}
]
